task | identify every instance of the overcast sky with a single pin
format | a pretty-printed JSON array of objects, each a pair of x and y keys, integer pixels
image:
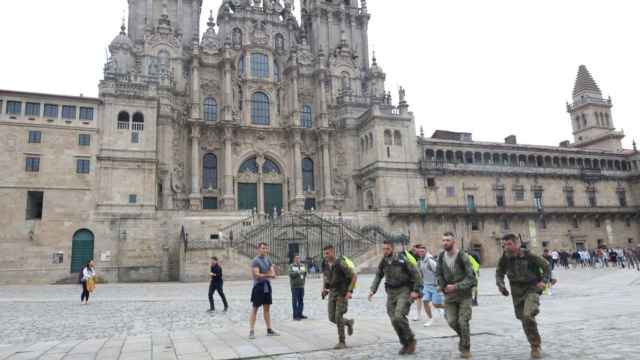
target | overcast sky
[{"x": 491, "y": 67}]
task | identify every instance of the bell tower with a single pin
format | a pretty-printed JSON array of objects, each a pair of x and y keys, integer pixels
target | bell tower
[
  {"x": 327, "y": 22},
  {"x": 591, "y": 118},
  {"x": 184, "y": 16}
]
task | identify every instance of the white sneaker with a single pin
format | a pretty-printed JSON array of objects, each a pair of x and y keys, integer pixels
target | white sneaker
[
  {"x": 416, "y": 318},
  {"x": 428, "y": 323}
]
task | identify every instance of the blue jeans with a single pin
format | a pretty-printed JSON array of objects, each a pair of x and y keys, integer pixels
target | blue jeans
[{"x": 297, "y": 300}]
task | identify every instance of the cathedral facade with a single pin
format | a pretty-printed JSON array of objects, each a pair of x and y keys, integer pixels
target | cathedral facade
[{"x": 267, "y": 115}]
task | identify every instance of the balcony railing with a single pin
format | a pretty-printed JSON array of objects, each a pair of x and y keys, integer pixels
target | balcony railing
[{"x": 507, "y": 210}]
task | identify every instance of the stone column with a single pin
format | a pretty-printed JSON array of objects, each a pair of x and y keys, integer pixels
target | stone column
[
  {"x": 228, "y": 94},
  {"x": 327, "y": 202},
  {"x": 297, "y": 167},
  {"x": 195, "y": 85},
  {"x": 228, "y": 198},
  {"x": 295, "y": 102},
  {"x": 180, "y": 17},
  {"x": 195, "y": 197},
  {"x": 324, "y": 117}
]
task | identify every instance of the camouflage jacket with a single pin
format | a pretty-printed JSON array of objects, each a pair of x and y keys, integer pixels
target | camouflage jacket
[
  {"x": 524, "y": 271},
  {"x": 462, "y": 276},
  {"x": 337, "y": 277},
  {"x": 399, "y": 272}
]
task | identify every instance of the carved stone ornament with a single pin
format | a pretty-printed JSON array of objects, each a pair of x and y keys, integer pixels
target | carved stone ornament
[{"x": 259, "y": 35}]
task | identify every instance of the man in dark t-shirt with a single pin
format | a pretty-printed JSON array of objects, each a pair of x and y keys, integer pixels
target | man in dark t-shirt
[
  {"x": 216, "y": 285},
  {"x": 263, "y": 271}
]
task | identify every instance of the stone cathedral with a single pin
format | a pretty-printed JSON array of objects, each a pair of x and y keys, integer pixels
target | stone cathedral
[{"x": 200, "y": 145}]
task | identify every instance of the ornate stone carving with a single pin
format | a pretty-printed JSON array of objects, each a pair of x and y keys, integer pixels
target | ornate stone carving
[{"x": 259, "y": 35}]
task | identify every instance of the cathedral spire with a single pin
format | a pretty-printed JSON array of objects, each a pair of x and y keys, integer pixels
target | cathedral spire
[
  {"x": 585, "y": 83},
  {"x": 123, "y": 28},
  {"x": 210, "y": 23}
]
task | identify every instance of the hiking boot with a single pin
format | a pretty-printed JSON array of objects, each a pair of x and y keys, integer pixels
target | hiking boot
[
  {"x": 536, "y": 353},
  {"x": 270, "y": 332},
  {"x": 411, "y": 347},
  {"x": 350, "y": 327},
  {"x": 252, "y": 335},
  {"x": 340, "y": 346},
  {"x": 465, "y": 354}
]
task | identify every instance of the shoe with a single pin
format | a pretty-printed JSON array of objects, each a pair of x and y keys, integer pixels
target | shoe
[
  {"x": 416, "y": 318},
  {"x": 535, "y": 352},
  {"x": 211, "y": 310},
  {"x": 303, "y": 317},
  {"x": 428, "y": 323},
  {"x": 252, "y": 335},
  {"x": 340, "y": 346},
  {"x": 350, "y": 327},
  {"x": 270, "y": 332},
  {"x": 411, "y": 347},
  {"x": 296, "y": 319},
  {"x": 403, "y": 350},
  {"x": 474, "y": 302},
  {"x": 226, "y": 309},
  {"x": 465, "y": 355}
]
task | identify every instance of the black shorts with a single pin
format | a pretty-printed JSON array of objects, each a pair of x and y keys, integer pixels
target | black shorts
[{"x": 261, "y": 294}]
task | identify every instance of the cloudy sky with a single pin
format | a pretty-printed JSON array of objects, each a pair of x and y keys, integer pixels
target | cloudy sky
[{"x": 491, "y": 67}]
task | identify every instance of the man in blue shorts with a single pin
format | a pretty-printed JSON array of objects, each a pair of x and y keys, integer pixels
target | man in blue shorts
[
  {"x": 430, "y": 294},
  {"x": 263, "y": 271}
]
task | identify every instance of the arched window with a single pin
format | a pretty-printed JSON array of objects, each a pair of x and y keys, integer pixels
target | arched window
[
  {"x": 164, "y": 60},
  {"x": 397, "y": 138},
  {"x": 249, "y": 166},
  {"x": 138, "y": 122},
  {"x": 308, "y": 183},
  {"x": 210, "y": 109},
  {"x": 259, "y": 66},
  {"x": 387, "y": 137},
  {"x": 123, "y": 120},
  {"x": 279, "y": 42},
  {"x": 346, "y": 82},
  {"x": 270, "y": 167},
  {"x": 241, "y": 65},
  {"x": 237, "y": 38},
  {"x": 210, "y": 172},
  {"x": 276, "y": 72},
  {"x": 370, "y": 140},
  {"x": 306, "y": 121},
  {"x": 260, "y": 108}
]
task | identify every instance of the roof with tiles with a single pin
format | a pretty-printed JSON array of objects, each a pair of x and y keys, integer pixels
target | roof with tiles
[{"x": 585, "y": 82}]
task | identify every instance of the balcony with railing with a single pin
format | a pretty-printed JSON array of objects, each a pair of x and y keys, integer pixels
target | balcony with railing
[{"x": 508, "y": 210}]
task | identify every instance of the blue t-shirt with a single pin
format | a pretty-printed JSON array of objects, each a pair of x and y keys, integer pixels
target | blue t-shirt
[{"x": 262, "y": 263}]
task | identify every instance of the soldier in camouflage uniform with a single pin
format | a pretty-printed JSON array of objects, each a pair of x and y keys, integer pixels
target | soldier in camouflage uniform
[
  {"x": 339, "y": 282},
  {"x": 403, "y": 285},
  {"x": 526, "y": 273},
  {"x": 456, "y": 280}
]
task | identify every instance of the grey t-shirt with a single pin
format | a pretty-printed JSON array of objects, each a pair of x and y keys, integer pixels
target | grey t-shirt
[
  {"x": 262, "y": 263},
  {"x": 428, "y": 269}
]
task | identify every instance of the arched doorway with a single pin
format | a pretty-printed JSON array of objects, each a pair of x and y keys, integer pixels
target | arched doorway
[
  {"x": 81, "y": 249},
  {"x": 260, "y": 186}
]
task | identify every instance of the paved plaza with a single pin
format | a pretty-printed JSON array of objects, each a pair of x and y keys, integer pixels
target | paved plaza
[{"x": 592, "y": 314}]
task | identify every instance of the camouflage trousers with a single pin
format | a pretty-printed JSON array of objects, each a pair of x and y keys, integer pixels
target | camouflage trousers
[
  {"x": 459, "y": 316},
  {"x": 398, "y": 305},
  {"x": 337, "y": 307},
  {"x": 526, "y": 303}
]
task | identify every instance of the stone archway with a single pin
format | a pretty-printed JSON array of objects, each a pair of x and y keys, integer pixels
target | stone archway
[{"x": 261, "y": 186}]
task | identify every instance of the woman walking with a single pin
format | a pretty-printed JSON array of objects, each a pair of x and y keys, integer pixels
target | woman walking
[{"x": 88, "y": 281}]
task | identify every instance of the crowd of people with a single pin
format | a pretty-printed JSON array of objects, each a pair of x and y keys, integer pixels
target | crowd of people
[{"x": 601, "y": 257}]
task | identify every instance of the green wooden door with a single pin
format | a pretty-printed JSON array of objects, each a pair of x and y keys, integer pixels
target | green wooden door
[
  {"x": 247, "y": 196},
  {"x": 272, "y": 198},
  {"x": 81, "y": 249}
]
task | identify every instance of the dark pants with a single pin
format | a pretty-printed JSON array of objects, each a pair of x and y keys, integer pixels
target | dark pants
[
  {"x": 85, "y": 292},
  {"x": 297, "y": 300},
  {"x": 213, "y": 287}
]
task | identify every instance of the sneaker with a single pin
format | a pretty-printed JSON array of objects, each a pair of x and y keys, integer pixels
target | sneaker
[
  {"x": 226, "y": 309},
  {"x": 416, "y": 318},
  {"x": 465, "y": 354},
  {"x": 403, "y": 350},
  {"x": 270, "y": 332},
  {"x": 252, "y": 335},
  {"x": 303, "y": 317},
  {"x": 211, "y": 310},
  {"x": 474, "y": 302},
  {"x": 350, "y": 327},
  {"x": 339, "y": 346},
  {"x": 428, "y": 323}
]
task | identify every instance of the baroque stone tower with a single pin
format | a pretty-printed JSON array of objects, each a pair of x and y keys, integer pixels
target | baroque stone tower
[{"x": 591, "y": 115}]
